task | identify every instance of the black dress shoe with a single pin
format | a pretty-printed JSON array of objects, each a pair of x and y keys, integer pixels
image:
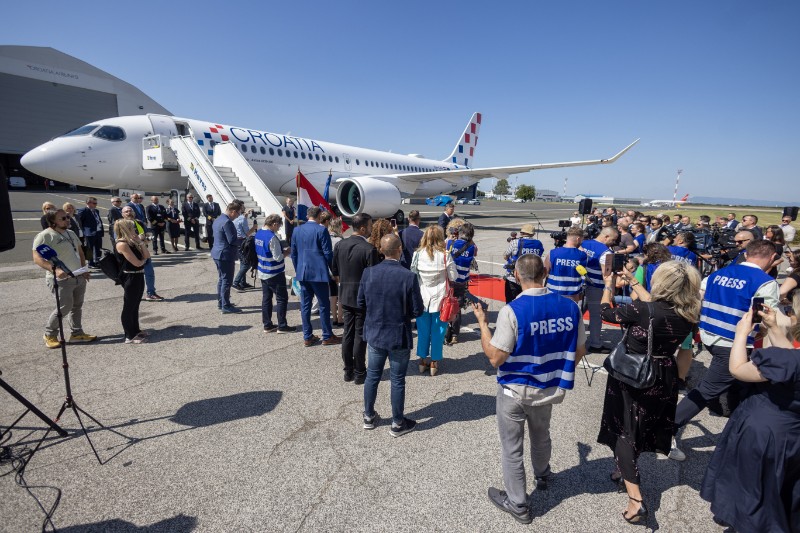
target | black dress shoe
[
  {"x": 360, "y": 378},
  {"x": 348, "y": 375}
]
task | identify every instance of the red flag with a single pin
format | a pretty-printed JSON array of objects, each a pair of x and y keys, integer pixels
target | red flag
[{"x": 308, "y": 195}]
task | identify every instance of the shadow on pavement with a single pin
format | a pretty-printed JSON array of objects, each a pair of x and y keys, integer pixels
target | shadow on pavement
[
  {"x": 211, "y": 411},
  {"x": 177, "y": 524},
  {"x": 464, "y": 408}
]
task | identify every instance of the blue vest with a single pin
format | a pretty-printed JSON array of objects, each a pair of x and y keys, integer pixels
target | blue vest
[
  {"x": 464, "y": 261},
  {"x": 650, "y": 269},
  {"x": 729, "y": 294},
  {"x": 679, "y": 253},
  {"x": 524, "y": 247},
  {"x": 547, "y": 336},
  {"x": 639, "y": 240},
  {"x": 563, "y": 278},
  {"x": 266, "y": 263},
  {"x": 594, "y": 250}
]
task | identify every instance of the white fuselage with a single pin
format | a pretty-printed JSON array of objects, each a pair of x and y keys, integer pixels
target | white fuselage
[{"x": 97, "y": 161}]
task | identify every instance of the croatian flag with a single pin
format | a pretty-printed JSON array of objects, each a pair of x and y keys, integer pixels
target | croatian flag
[{"x": 309, "y": 196}]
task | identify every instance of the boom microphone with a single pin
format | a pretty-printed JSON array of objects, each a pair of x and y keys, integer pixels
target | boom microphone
[{"x": 48, "y": 254}]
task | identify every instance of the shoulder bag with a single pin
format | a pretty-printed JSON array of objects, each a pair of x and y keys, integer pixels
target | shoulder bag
[
  {"x": 635, "y": 370},
  {"x": 448, "y": 307}
]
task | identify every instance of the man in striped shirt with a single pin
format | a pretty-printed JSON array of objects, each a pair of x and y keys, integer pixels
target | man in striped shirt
[{"x": 538, "y": 340}]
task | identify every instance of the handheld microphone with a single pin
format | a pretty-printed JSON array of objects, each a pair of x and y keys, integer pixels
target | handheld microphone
[
  {"x": 48, "y": 254},
  {"x": 581, "y": 270}
]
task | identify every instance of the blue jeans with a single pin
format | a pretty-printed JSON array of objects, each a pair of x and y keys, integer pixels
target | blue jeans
[
  {"x": 225, "y": 270},
  {"x": 398, "y": 366},
  {"x": 241, "y": 278},
  {"x": 430, "y": 335},
  {"x": 275, "y": 285},
  {"x": 150, "y": 277},
  {"x": 322, "y": 291}
]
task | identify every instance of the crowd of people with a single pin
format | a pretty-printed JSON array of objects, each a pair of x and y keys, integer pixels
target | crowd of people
[{"x": 381, "y": 283}]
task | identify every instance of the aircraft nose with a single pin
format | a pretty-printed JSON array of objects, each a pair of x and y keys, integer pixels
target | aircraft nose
[{"x": 37, "y": 161}]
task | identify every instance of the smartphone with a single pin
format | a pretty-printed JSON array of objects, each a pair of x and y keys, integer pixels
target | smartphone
[
  {"x": 758, "y": 303},
  {"x": 393, "y": 222},
  {"x": 619, "y": 261},
  {"x": 474, "y": 299}
]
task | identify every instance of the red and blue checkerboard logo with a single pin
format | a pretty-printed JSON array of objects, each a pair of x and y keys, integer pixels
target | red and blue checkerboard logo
[{"x": 214, "y": 135}]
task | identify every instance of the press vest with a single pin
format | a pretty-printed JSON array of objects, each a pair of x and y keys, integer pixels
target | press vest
[
  {"x": 563, "y": 278},
  {"x": 649, "y": 270},
  {"x": 594, "y": 270},
  {"x": 524, "y": 247},
  {"x": 728, "y": 296},
  {"x": 684, "y": 255},
  {"x": 266, "y": 263},
  {"x": 547, "y": 337},
  {"x": 464, "y": 261}
]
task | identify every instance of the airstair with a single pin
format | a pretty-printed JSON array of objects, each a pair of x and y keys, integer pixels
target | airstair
[{"x": 229, "y": 177}]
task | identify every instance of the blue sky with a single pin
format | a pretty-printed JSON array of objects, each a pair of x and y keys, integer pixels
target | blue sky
[{"x": 710, "y": 87}]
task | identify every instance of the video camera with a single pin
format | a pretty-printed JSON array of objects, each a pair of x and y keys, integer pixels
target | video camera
[
  {"x": 254, "y": 214},
  {"x": 560, "y": 237}
]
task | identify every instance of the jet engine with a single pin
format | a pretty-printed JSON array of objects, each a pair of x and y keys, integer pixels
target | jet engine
[{"x": 367, "y": 195}]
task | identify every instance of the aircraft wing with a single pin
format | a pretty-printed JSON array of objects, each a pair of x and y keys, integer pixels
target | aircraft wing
[{"x": 457, "y": 176}]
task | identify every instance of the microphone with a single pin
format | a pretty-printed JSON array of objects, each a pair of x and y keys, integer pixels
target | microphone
[
  {"x": 48, "y": 254},
  {"x": 581, "y": 270}
]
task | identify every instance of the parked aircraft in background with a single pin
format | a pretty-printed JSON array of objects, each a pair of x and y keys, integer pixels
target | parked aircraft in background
[
  {"x": 668, "y": 203},
  {"x": 113, "y": 153}
]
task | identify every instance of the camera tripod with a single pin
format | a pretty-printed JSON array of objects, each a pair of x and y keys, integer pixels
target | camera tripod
[
  {"x": 69, "y": 401},
  {"x": 30, "y": 408}
]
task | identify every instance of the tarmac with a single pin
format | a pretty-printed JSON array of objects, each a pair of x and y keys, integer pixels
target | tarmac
[{"x": 218, "y": 426}]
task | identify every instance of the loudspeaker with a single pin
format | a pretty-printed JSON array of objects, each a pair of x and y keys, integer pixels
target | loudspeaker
[
  {"x": 7, "y": 238},
  {"x": 790, "y": 212},
  {"x": 585, "y": 206}
]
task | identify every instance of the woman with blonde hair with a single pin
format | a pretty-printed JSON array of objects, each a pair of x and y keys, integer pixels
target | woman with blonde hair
[
  {"x": 47, "y": 206},
  {"x": 428, "y": 263},
  {"x": 642, "y": 420},
  {"x": 132, "y": 254}
]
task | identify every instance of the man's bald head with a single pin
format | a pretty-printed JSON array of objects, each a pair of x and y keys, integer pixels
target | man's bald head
[{"x": 391, "y": 246}]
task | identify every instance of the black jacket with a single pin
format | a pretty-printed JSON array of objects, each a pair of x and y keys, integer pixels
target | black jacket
[{"x": 350, "y": 257}]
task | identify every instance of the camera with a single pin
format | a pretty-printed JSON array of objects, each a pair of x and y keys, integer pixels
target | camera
[
  {"x": 559, "y": 237},
  {"x": 512, "y": 237},
  {"x": 564, "y": 224},
  {"x": 668, "y": 232},
  {"x": 254, "y": 214}
]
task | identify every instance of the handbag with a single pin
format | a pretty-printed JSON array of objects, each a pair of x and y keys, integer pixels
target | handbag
[
  {"x": 448, "y": 307},
  {"x": 635, "y": 370}
]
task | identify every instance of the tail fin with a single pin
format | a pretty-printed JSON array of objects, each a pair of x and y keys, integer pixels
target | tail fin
[
  {"x": 464, "y": 151},
  {"x": 684, "y": 199}
]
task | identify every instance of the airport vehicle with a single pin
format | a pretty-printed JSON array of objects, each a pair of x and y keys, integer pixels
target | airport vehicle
[
  {"x": 667, "y": 203},
  {"x": 519, "y": 200},
  {"x": 158, "y": 153},
  {"x": 473, "y": 201}
]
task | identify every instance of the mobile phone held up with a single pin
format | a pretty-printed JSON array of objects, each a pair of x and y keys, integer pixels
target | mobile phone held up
[
  {"x": 758, "y": 303},
  {"x": 618, "y": 264}
]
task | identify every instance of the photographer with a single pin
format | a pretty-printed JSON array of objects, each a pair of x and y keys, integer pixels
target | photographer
[
  {"x": 597, "y": 251},
  {"x": 592, "y": 229},
  {"x": 561, "y": 264},
  {"x": 462, "y": 252},
  {"x": 517, "y": 247},
  {"x": 242, "y": 232},
  {"x": 681, "y": 248}
]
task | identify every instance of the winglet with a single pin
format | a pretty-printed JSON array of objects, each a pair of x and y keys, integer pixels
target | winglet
[{"x": 607, "y": 161}]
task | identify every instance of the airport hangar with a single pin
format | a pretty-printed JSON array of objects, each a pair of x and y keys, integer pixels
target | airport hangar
[{"x": 45, "y": 93}]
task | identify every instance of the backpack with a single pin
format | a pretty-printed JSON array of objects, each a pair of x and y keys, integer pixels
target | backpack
[
  {"x": 248, "y": 251},
  {"x": 111, "y": 266}
]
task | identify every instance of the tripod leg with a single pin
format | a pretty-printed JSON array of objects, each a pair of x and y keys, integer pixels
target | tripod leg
[
  {"x": 75, "y": 410},
  {"x": 30, "y": 407},
  {"x": 112, "y": 430},
  {"x": 44, "y": 437}
]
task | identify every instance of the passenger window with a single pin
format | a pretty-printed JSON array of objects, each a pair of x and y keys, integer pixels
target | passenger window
[
  {"x": 303, "y": 155},
  {"x": 317, "y": 156},
  {"x": 253, "y": 149},
  {"x": 263, "y": 150},
  {"x": 295, "y": 154},
  {"x": 280, "y": 152},
  {"x": 272, "y": 151},
  {"x": 337, "y": 158},
  {"x": 110, "y": 133},
  {"x": 382, "y": 165},
  {"x": 357, "y": 163},
  {"x": 244, "y": 148}
]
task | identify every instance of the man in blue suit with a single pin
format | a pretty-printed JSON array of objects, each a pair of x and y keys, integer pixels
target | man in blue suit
[
  {"x": 224, "y": 253},
  {"x": 138, "y": 209},
  {"x": 89, "y": 219},
  {"x": 410, "y": 237},
  {"x": 391, "y": 296},
  {"x": 312, "y": 254}
]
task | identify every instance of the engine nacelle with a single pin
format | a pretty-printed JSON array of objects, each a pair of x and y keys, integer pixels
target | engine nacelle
[{"x": 367, "y": 195}]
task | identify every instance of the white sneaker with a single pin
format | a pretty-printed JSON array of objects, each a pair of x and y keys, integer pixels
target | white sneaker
[{"x": 675, "y": 453}]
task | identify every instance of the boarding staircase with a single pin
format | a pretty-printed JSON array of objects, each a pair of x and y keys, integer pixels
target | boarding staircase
[{"x": 228, "y": 177}]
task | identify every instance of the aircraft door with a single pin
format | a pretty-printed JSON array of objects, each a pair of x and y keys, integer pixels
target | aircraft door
[
  {"x": 348, "y": 163},
  {"x": 163, "y": 125}
]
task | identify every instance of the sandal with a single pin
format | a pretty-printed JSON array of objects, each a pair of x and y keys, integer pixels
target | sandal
[{"x": 641, "y": 513}]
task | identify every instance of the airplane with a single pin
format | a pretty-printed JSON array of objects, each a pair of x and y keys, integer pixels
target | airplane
[
  {"x": 107, "y": 154},
  {"x": 667, "y": 203}
]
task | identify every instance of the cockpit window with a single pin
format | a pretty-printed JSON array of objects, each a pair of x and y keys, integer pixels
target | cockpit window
[
  {"x": 110, "y": 133},
  {"x": 83, "y": 130}
]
